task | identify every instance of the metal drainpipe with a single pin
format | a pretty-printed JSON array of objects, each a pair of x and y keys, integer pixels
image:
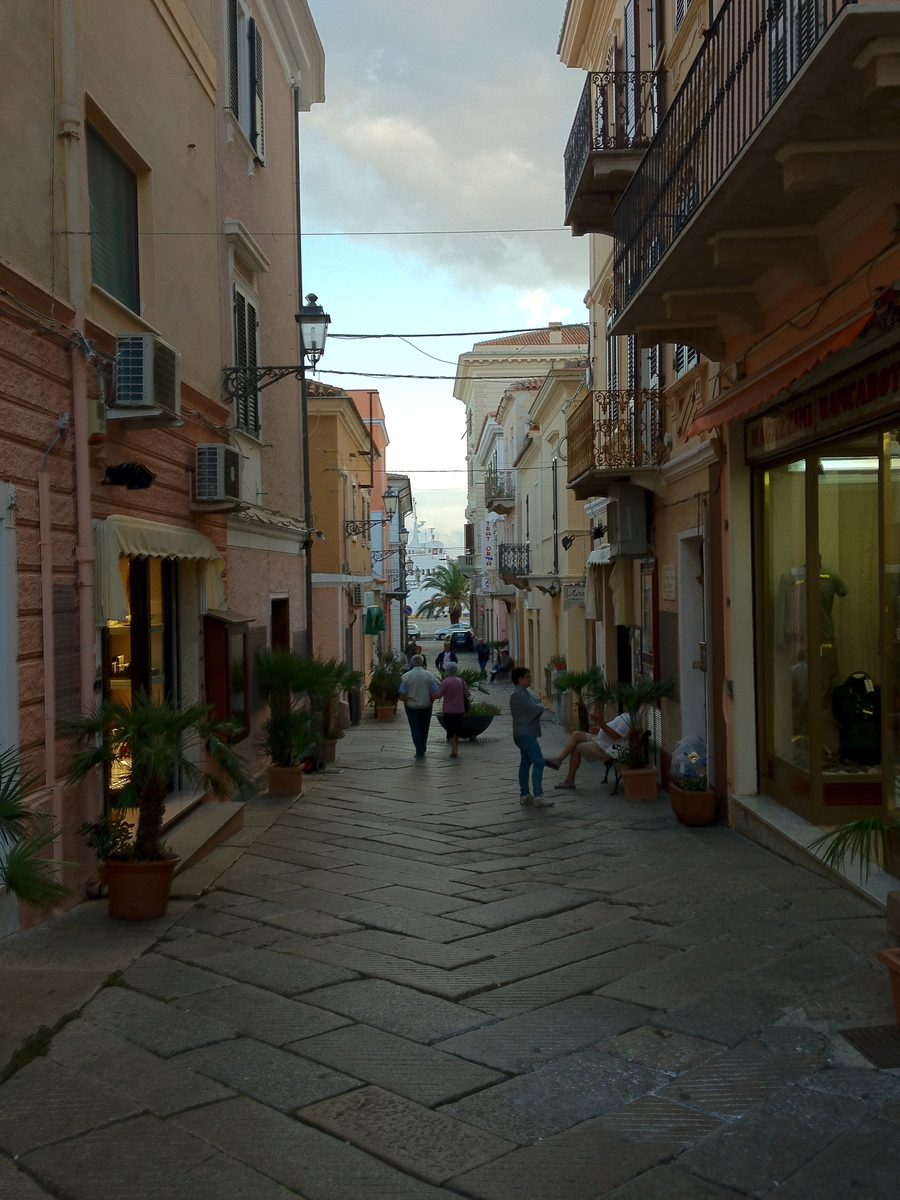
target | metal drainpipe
[
  {"x": 71, "y": 131},
  {"x": 48, "y": 634},
  {"x": 304, "y": 402}
]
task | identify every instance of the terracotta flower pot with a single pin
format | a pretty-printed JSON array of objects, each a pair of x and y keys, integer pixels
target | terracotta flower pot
[
  {"x": 692, "y": 808},
  {"x": 891, "y": 959},
  {"x": 385, "y": 712},
  {"x": 139, "y": 891},
  {"x": 329, "y": 750},
  {"x": 639, "y": 783},
  {"x": 285, "y": 781}
]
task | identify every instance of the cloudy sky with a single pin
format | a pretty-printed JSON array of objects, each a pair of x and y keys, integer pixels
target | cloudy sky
[{"x": 438, "y": 117}]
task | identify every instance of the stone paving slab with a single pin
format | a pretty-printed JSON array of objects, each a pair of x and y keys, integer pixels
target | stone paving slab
[
  {"x": 425, "y": 1074},
  {"x": 540, "y": 903},
  {"x": 662, "y": 1049},
  {"x": 416, "y": 898},
  {"x": 398, "y": 1009},
  {"x": 732, "y": 1083},
  {"x": 132, "y": 1158},
  {"x": 16, "y": 1185},
  {"x": 263, "y": 1072},
  {"x": 556, "y": 1096},
  {"x": 669, "y": 1183},
  {"x": 432, "y": 1145},
  {"x": 446, "y": 955},
  {"x": 46, "y": 1102},
  {"x": 774, "y": 1141},
  {"x": 222, "y": 1178},
  {"x": 414, "y": 923},
  {"x": 283, "y": 973},
  {"x": 586, "y": 976},
  {"x": 317, "y": 1166},
  {"x": 262, "y": 1014},
  {"x": 149, "y": 1023},
  {"x": 861, "y": 1163},
  {"x": 167, "y": 979},
  {"x": 521, "y": 1043},
  {"x": 160, "y": 1086}
]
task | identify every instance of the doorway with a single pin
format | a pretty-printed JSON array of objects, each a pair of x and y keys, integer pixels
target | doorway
[{"x": 692, "y": 642}]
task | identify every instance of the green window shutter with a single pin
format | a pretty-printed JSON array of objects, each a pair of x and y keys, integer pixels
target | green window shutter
[
  {"x": 246, "y": 333},
  {"x": 257, "y": 120},
  {"x": 252, "y": 361},
  {"x": 234, "y": 85},
  {"x": 112, "y": 191}
]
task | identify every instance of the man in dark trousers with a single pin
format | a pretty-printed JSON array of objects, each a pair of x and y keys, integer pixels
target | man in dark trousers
[{"x": 417, "y": 688}]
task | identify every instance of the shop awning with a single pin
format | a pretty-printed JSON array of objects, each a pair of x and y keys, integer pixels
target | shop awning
[
  {"x": 598, "y": 557},
  {"x": 765, "y": 385},
  {"x": 131, "y": 537}
]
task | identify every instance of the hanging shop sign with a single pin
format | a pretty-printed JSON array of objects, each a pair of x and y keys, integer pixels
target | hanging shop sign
[
  {"x": 573, "y": 595},
  {"x": 856, "y": 397}
]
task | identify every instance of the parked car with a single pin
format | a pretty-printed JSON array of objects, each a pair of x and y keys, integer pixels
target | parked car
[
  {"x": 459, "y": 635},
  {"x": 413, "y": 631}
]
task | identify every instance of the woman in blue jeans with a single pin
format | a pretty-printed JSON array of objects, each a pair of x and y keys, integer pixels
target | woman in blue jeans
[{"x": 527, "y": 710}]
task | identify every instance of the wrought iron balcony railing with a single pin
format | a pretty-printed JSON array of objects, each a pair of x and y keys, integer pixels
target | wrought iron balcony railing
[
  {"x": 514, "y": 559},
  {"x": 618, "y": 110},
  {"x": 499, "y": 490},
  {"x": 616, "y": 431},
  {"x": 752, "y": 51}
]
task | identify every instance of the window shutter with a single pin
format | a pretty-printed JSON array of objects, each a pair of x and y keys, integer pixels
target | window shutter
[
  {"x": 632, "y": 362},
  {"x": 112, "y": 192},
  {"x": 257, "y": 121},
  {"x": 252, "y": 361},
  {"x": 246, "y": 333},
  {"x": 234, "y": 88}
]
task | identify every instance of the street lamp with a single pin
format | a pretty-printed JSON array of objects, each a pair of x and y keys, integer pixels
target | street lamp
[
  {"x": 390, "y": 500},
  {"x": 404, "y": 536},
  {"x": 313, "y": 321}
]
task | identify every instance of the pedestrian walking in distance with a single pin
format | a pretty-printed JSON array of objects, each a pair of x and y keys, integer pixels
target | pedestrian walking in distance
[
  {"x": 602, "y": 746},
  {"x": 418, "y": 688},
  {"x": 527, "y": 709},
  {"x": 483, "y": 651},
  {"x": 446, "y": 656},
  {"x": 454, "y": 692}
]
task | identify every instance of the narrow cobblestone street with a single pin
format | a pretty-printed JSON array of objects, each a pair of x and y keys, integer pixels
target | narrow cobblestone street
[{"x": 408, "y": 986}]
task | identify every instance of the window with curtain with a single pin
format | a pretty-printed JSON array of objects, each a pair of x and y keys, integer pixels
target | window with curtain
[{"x": 112, "y": 192}]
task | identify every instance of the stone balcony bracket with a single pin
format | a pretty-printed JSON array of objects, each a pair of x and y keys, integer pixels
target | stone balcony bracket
[
  {"x": 796, "y": 249},
  {"x": 704, "y": 337},
  {"x": 879, "y": 63},
  {"x": 872, "y": 163},
  {"x": 714, "y": 306}
]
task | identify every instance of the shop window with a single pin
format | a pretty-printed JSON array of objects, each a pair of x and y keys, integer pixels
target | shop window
[{"x": 113, "y": 197}]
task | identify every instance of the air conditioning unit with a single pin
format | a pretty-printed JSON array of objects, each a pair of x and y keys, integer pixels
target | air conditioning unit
[
  {"x": 356, "y": 595},
  {"x": 147, "y": 380},
  {"x": 626, "y": 522},
  {"x": 218, "y": 472}
]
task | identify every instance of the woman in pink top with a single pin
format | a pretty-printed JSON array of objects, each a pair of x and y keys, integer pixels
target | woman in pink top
[{"x": 455, "y": 693}]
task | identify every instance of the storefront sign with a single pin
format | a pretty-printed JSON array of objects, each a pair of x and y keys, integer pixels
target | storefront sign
[
  {"x": 856, "y": 397},
  {"x": 667, "y": 586},
  {"x": 573, "y": 595}
]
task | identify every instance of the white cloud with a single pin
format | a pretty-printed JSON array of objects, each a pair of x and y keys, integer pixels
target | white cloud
[{"x": 540, "y": 309}]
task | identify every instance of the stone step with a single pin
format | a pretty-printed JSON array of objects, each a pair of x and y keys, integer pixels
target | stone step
[
  {"x": 204, "y": 827},
  {"x": 179, "y": 805}
]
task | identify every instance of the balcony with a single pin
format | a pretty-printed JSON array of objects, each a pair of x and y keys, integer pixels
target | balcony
[
  {"x": 617, "y": 116},
  {"x": 466, "y": 564},
  {"x": 789, "y": 106},
  {"x": 514, "y": 563},
  {"x": 615, "y": 437},
  {"x": 499, "y": 491}
]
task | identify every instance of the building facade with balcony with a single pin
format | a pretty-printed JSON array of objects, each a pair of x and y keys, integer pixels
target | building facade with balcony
[
  {"x": 648, "y": 488},
  {"x": 497, "y": 382},
  {"x": 122, "y": 244},
  {"x": 759, "y": 229}
]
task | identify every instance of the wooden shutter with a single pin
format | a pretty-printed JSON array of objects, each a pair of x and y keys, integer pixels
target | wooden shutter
[
  {"x": 246, "y": 334},
  {"x": 257, "y": 120},
  {"x": 234, "y": 75}
]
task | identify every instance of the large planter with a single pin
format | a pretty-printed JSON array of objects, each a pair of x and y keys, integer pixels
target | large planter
[
  {"x": 285, "y": 781},
  {"x": 385, "y": 712},
  {"x": 139, "y": 891},
  {"x": 639, "y": 783},
  {"x": 329, "y": 749},
  {"x": 891, "y": 959},
  {"x": 471, "y": 726},
  {"x": 692, "y": 808}
]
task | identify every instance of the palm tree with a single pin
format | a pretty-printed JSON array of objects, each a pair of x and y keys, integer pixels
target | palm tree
[
  {"x": 451, "y": 590},
  {"x": 584, "y": 686},
  {"x": 24, "y": 835}
]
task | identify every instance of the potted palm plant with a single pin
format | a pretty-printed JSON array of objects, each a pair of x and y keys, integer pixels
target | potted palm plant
[
  {"x": 288, "y": 733},
  {"x": 24, "y": 836},
  {"x": 145, "y": 746},
  {"x": 330, "y": 680},
  {"x": 478, "y": 715},
  {"x": 583, "y": 686},
  {"x": 384, "y": 683},
  {"x": 638, "y": 776}
]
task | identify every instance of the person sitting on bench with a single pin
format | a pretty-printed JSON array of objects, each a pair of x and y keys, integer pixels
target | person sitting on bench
[{"x": 592, "y": 747}]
